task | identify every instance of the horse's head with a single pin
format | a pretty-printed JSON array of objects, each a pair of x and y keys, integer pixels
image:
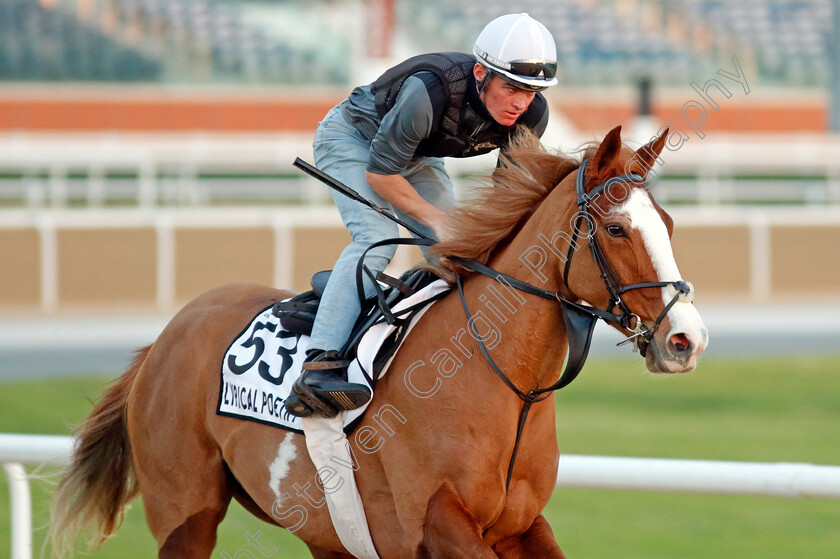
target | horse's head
[
  {"x": 631, "y": 270},
  {"x": 589, "y": 232}
]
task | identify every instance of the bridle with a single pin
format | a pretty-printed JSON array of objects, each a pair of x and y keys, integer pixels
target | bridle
[
  {"x": 683, "y": 291},
  {"x": 579, "y": 319}
]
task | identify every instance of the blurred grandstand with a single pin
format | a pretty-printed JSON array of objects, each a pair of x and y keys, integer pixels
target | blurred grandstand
[
  {"x": 270, "y": 50},
  {"x": 671, "y": 41},
  {"x": 303, "y": 42},
  {"x": 166, "y": 41},
  {"x": 252, "y": 56},
  {"x": 159, "y": 106}
]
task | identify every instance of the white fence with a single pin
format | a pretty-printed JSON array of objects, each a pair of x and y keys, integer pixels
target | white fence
[
  {"x": 15, "y": 452},
  {"x": 148, "y": 169},
  {"x": 50, "y": 170},
  {"x": 283, "y": 222},
  {"x": 650, "y": 474}
]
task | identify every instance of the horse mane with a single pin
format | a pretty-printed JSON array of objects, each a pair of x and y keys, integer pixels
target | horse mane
[{"x": 526, "y": 175}]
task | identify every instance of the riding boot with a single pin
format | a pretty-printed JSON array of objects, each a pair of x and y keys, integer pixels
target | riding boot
[{"x": 323, "y": 389}]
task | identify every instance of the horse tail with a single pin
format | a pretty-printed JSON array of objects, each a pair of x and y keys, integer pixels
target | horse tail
[{"x": 100, "y": 481}]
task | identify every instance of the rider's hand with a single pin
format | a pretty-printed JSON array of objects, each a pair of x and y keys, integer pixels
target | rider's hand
[{"x": 441, "y": 226}]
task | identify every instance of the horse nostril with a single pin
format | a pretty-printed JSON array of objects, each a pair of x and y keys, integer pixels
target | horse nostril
[{"x": 680, "y": 342}]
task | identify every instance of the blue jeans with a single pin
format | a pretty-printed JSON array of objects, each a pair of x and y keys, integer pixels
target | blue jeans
[{"x": 341, "y": 151}]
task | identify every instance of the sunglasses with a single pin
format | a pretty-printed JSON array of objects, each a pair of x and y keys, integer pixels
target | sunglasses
[
  {"x": 525, "y": 68},
  {"x": 533, "y": 69},
  {"x": 518, "y": 84}
]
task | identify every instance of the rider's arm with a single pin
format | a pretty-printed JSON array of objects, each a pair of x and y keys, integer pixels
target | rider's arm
[
  {"x": 408, "y": 122},
  {"x": 399, "y": 192}
]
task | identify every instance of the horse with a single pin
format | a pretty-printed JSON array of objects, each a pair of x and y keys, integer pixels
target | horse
[{"x": 433, "y": 457}]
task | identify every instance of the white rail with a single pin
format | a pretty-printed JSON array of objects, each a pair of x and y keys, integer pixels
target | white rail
[
  {"x": 34, "y": 450},
  {"x": 21, "y": 500},
  {"x": 285, "y": 223},
  {"x": 48, "y": 169},
  {"x": 794, "y": 480},
  {"x": 15, "y": 452},
  {"x": 790, "y": 480}
]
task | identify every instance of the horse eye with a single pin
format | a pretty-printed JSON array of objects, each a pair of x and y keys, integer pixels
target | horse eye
[{"x": 616, "y": 230}]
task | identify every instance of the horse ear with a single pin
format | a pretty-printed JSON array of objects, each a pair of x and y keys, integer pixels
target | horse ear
[
  {"x": 607, "y": 152},
  {"x": 646, "y": 156}
]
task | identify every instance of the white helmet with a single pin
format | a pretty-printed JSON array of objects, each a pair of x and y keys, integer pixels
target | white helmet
[{"x": 520, "y": 50}]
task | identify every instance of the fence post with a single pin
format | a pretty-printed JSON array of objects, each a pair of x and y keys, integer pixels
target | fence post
[{"x": 21, "y": 511}]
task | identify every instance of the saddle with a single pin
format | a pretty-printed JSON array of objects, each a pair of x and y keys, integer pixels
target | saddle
[{"x": 298, "y": 313}]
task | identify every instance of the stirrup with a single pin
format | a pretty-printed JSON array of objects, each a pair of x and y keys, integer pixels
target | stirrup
[{"x": 323, "y": 388}]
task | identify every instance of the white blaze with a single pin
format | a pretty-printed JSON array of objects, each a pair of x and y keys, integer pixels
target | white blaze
[
  {"x": 279, "y": 469},
  {"x": 644, "y": 218}
]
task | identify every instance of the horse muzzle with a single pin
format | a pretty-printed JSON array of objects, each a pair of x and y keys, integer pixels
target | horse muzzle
[{"x": 677, "y": 345}]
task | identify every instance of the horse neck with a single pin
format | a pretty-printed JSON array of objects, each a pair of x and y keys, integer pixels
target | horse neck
[{"x": 527, "y": 332}]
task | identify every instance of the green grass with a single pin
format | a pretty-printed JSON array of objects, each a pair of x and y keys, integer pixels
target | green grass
[{"x": 766, "y": 410}]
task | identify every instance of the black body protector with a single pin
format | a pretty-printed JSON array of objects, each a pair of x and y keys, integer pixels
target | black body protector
[{"x": 462, "y": 126}]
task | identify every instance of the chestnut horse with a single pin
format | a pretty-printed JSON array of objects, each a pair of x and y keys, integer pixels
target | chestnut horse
[{"x": 431, "y": 457}]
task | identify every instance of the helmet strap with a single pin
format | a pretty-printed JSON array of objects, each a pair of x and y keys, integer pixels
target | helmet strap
[{"x": 484, "y": 79}]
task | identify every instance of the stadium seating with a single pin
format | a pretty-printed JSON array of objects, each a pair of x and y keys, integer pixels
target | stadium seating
[
  {"x": 607, "y": 41},
  {"x": 785, "y": 38},
  {"x": 37, "y": 43},
  {"x": 599, "y": 41},
  {"x": 155, "y": 40}
]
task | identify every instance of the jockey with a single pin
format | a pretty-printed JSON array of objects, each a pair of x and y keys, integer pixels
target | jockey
[{"x": 386, "y": 141}]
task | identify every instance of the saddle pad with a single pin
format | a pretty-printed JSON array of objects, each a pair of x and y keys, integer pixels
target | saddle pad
[{"x": 261, "y": 366}]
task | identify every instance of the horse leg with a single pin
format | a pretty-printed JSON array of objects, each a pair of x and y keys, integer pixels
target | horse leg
[
  {"x": 450, "y": 531},
  {"x": 537, "y": 541},
  {"x": 184, "y": 511},
  {"x": 193, "y": 539},
  {"x": 182, "y": 477}
]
